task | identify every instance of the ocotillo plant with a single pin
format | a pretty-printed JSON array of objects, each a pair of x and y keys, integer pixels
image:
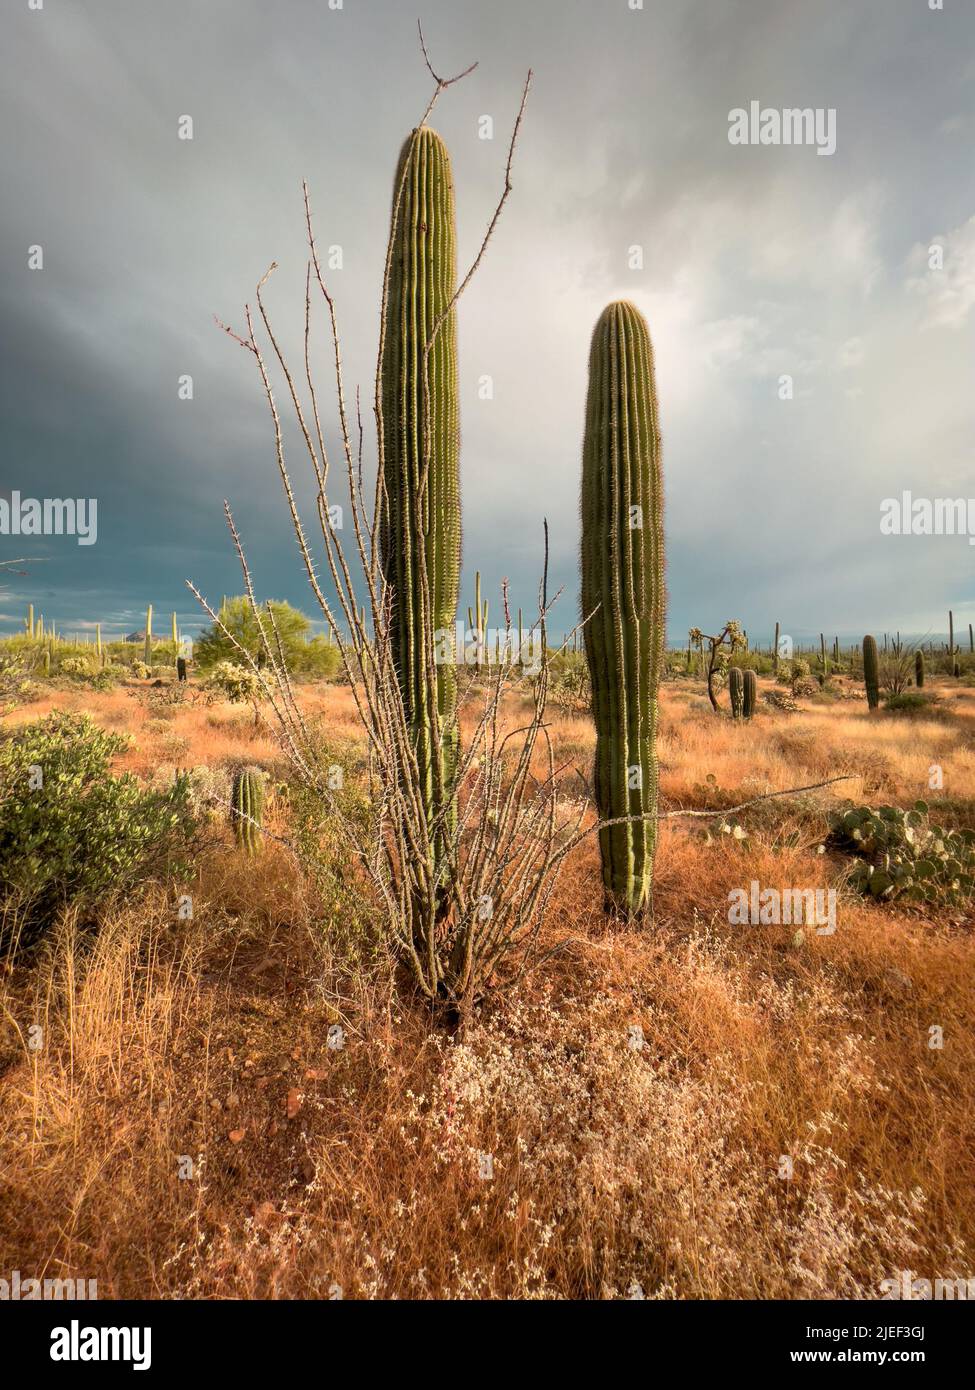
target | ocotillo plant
[
  {"x": 749, "y": 694},
  {"x": 623, "y": 595},
  {"x": 420, "y": 533},
  {"x": 147, "y": 657},
  {"x": 736, "y": 692},
  {"x": 246, "y": 807},
  {"x": 919, "y": 668},
  {"x": 871, "y": 671}
]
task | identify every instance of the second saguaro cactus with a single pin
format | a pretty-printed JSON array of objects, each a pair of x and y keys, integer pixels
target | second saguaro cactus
[
  {"x": 420, "y": 533},
  {"x": 736, "y": 692},
  {"x": 871, "y": 671},
  {"x": 749, "y": 694},
  {"x": 623, "y": 596}
]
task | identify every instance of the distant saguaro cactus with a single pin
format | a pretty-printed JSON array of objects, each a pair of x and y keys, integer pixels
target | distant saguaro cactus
[
  {"x": 749, "y": 694},
  {"x": 623, "y": 590},
  {"x": 871, "y": 671},
  {"x": 147, "y": 656},
  {"x": 246, "y": 808},
  {"x": 736, "y": 692},
  {"x": 919, "y": 668},
  {"x": 420, "y": 448}
]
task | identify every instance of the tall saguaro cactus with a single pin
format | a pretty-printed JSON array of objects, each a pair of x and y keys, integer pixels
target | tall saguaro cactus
[
  {"x": 871, "y": 671},
  {"x": 420, "y": 534},
  {"x": 736, "y": 692},
  {"x": 623, "y": 590}
]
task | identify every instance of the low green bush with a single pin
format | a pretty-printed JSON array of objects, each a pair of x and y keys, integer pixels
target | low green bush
[{"x": 71, "y": 832}]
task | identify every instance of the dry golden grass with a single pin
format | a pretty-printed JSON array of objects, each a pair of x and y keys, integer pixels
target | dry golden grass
[{"x": 360, "y": 1168}]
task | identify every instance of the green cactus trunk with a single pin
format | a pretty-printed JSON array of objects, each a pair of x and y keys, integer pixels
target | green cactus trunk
[
  {"x": 420, "y": 534},
  {"x": 147, "y": 657},
  {"x": 736, "y": 692},
  {"x": 871, "y": 671},
  {"x": 623, "y": 590},
  {"x": 919, "y": 669},
  {"x": 749, "y": 694},
  {"x": 246, "y": 808}
]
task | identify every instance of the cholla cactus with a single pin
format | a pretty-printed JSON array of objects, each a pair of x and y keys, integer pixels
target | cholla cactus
[{"x": 235, "y": 683}]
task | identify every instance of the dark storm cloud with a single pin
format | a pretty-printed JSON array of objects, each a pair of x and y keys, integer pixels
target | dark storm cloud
[{"x": 756, "y": 262}]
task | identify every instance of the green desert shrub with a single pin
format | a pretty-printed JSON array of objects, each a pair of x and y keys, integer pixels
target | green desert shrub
[
  {"x": 911, "y": 702},
  {"x": 903, "y": 854},
  {"x": 71, "y": 832},
  {"x": 313, "y": 657}
]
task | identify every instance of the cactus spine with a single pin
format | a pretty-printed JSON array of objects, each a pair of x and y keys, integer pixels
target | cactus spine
[
  {"x": 623, "y": 590},
  {"x": 420, "y": 448},
  {"x": 919, "y": 668},
  {"x": 736, "y": 692},
  {"x": 749, "y": 694},
  {"x": 246, "y": 806},
  {"x": 871, "y": 671},
  {"x": 147, "y": 656}
]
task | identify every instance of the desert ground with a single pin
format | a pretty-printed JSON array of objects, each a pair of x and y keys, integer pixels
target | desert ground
[{"x": 689, "y": 1109}]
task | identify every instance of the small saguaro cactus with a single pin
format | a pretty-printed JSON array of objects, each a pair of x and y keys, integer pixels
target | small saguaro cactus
[
  {"x": 736, "y": 692},
  {"x": 749, "y": 694},
  {"x": 147, "y": 656},
  {"x": 919, "y": 668},
  {"x": 30, "y": 621},
  {"x": 623, "y": 596},
  {"x": 871, "y": 671},
  {"x": 175, "y": 634},
  {"x": 246, "y": 807}
]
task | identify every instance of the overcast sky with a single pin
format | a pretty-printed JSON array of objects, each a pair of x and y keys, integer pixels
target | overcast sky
[{"x": 758, "y": 261}]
